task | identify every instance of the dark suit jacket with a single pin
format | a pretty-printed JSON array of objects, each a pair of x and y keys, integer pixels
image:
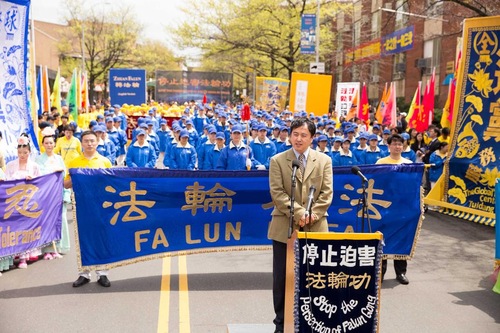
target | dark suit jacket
[{"x": 318, "y": 172}]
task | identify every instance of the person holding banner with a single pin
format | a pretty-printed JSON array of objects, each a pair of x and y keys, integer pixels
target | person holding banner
[
  {"x": 49, "y": 162},
  {"x": 395, "y": 143},
  {"x": 315, "y": 172},
  {"x": 23, "y": 168},
  {"x": 89, "y": 159}
]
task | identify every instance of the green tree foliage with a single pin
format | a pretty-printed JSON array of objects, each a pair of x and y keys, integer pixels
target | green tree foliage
[
  {"x": 110, "y": 40},
  {"x": 258, "y": 36}
]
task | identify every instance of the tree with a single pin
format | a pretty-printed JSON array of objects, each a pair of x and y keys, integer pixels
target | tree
[
  {"x": 154, "y": 55},
  {"x": 106, "y": 39},
  {"x": 259, "y": 36}
]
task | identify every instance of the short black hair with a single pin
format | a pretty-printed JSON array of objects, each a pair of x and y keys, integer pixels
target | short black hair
[
  {"x": 88, "y": 132},
  {"x": 301, "y": 122},
  {"x": 396, "y": 138},
  {"x": 442, "y": 144}
]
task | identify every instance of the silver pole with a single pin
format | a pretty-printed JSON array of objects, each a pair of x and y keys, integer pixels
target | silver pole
[{"x": 317, "y": 32}]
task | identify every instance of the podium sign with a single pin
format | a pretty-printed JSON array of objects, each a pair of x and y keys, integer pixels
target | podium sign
[{"x": 335, "y": 284}]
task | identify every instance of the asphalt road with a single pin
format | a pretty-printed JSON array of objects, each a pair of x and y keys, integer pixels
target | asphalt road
[{"x": 449, "y": 291}]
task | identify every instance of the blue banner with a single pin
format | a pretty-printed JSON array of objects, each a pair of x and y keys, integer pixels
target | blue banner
[
  {"x": 308, "y": 34},
  {"x": 337, "y": 282},
  {"x": 31, "y": 213},
  {"x": 474, "y": 164},
  {"x": 127, "y": 86},
  {"x": 399, "y": 41},
  {"x": 15, "y": 117},
  {"x": 144, "y": 213}
]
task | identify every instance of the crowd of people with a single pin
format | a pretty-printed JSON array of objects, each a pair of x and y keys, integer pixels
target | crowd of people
[{"x": 206, "y": 137}]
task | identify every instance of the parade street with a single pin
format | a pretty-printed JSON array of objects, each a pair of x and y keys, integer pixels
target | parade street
[{"x": 449, "y": 291}]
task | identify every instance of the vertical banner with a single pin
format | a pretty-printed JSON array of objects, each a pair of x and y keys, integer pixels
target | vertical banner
[
  {"x": 337, "y": 282},
  {"x": 310, "y": 93},
  {"x": 15, "y": 116},
  {"x": 308, "y": 34},
  {"x": 185, "y": 86},
  {"x": 346, "y": 91},
  {"x": 497, "y": 227},
  {"x": 127, "y": 86},
  {"x": 271, "y": 93},
  {"x": 474, "y": 164}
]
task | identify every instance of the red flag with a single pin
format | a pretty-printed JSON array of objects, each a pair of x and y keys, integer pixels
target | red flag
[
  {"x": 379, "y": 115},
  {"x": 204, "y": 101},
  {"x": 429, "y": 99},
  {"x": 364, "y": 110},
  {"x": 245, "y": 112},
  {"x": 390, "y": 108},
  {"x": 454, "y": 87}
]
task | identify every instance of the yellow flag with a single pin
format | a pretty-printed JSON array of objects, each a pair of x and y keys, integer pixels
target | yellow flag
[{"x": 55, "y": 96}]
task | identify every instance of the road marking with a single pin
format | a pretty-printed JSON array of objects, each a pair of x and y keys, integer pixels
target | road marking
[
  {"x": 184, "y": 325},
  {"x": 164, "y": 307}
]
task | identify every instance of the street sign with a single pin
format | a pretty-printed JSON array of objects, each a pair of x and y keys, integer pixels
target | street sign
[{"x": 317, "y": 67}]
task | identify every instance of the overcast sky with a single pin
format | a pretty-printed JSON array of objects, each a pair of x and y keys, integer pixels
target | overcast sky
[{"x": 154, "y": 15}]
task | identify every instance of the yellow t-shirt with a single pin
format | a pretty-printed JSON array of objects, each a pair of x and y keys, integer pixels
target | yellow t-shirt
[
  {"x": 68, "y": 149},
  {"x": 96, "y": 162},
  {"x": 390, "y": 160}
]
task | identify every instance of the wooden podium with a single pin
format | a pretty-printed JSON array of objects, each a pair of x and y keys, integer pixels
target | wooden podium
[{"x": 340, "y": 291}]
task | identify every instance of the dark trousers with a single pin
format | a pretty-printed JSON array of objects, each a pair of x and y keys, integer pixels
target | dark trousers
[
  {"x": 399, "y": 266},
  {"x": 279, "y": 274}
]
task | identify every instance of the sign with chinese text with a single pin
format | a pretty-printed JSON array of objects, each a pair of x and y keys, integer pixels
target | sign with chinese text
[
  {"x": 337, "y": 282},
  {"x": 127, "y": 86},
  {"x": 310, "y": 93},
  {"x": 144, "y": 213},
  {"x": 308, "y": 34},
  {"x": 271, "y": 93},
  {"x": 346, "y": 91},
  {"x": 365, "y": 52},
  {"x": 399, "y": 41},
  {"x": 185, "y": 86},
  {"x": 17, "y": 77},
  {"x": 31, "y": 213},
  {"x": 474, "y": 163}
]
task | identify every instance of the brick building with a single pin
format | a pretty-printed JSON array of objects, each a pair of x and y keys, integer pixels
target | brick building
[{"x": 377, "y": 43}]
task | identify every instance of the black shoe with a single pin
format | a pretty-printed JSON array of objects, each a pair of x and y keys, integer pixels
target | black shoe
[
  {"x": 402, "y": 279},
  {"x": 80, "y": 281},
  {"x": 104, "y": 281}
]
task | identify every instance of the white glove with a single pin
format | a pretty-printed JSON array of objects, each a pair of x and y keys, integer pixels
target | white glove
[
  {"x": 248, "y": 163},
  {"x": 261, "y": 167}
]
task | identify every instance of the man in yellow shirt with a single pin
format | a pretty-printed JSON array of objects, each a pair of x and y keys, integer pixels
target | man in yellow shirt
[
  {"x": 68, "y": 146},
  {"x": 89, "y": 159},
  {"x": 395, "y": 143}
]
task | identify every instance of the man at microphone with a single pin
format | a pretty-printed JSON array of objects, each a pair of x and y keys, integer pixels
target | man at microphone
[{"x": 314, "y": 179}]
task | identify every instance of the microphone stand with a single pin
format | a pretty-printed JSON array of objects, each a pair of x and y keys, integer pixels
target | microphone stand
[
  {"x": 292, "y": 206},
  {"x": 364, "y": 208}
]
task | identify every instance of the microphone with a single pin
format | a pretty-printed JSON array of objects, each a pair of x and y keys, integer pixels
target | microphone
[
  {"x": 295, "y": 166},
  {"x": 310, "y": 199},
  {"x": 357, "y": 171}
]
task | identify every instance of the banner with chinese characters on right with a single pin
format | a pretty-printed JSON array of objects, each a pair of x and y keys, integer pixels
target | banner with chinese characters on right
[
  {"x": 333, "y": 282},
  {"x": 271, "y": 93},
  {"x": 467, "y": 187}
]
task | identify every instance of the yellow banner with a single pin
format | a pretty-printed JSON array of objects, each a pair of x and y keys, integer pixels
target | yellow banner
[
  {"x": 310, "y": 93},
  {"x": 271, "y": 93}
]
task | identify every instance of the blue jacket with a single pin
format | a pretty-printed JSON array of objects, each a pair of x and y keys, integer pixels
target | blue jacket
[
  {"x": 358, "y": 153},
  {"x": 183, "y": 158},
  {"x": 204, "y": 162},
  {"x": 234, "y": 158},
  {"x": 342, "y": 159},
  {"x": 409, "y": 154},
  {"x": 163, "y": 136},
  {"x": 371, "y": 157},
  {"x": 436, "y": 170},
  {"x": 199, "y": 123},
  {"x": 263, "y": 151},
  {"x": 107, "y": 149},
  {"x": 141, "y": 157}
]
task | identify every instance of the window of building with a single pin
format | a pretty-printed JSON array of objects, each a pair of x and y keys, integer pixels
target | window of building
[
  {"x": 432, "y": 51},
  {"x": 356, "y": 33},
  {"x": 399, "y": 68},
  {"x": 401, "y": 19},
  {"x": 375, "y": 71},
  {"x": 376, "y": 24}
]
